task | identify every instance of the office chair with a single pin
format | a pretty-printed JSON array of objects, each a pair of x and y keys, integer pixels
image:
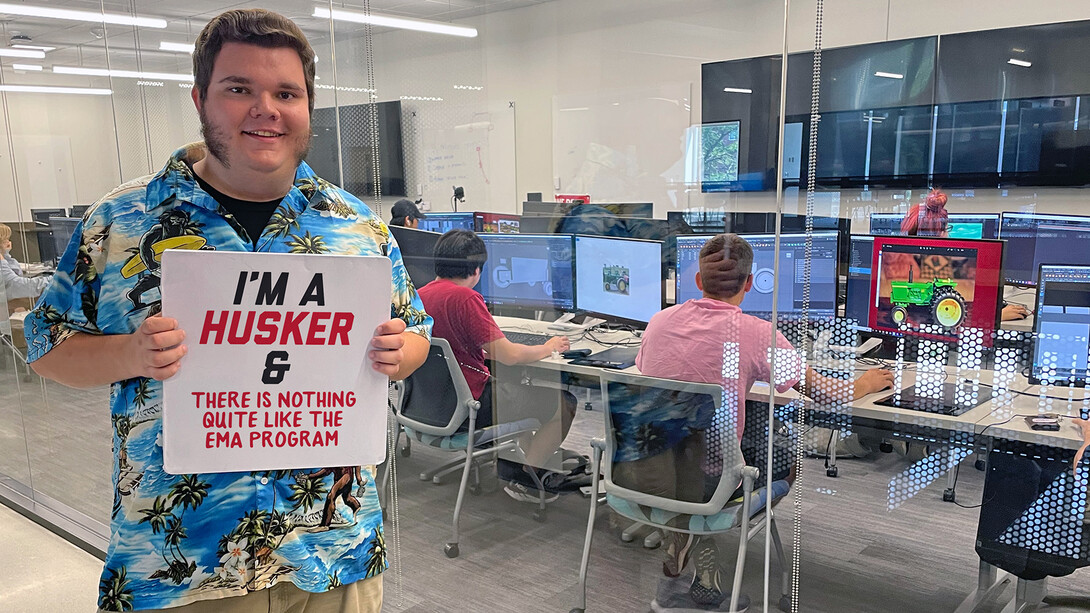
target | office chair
[
  {"x": 432, "y": 405},
  {"x": 640, "y": 410}
]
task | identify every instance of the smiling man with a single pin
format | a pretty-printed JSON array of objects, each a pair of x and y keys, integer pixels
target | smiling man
[{"x": 298, "y": 540}]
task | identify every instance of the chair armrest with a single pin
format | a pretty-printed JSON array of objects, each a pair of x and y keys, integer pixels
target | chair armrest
[
  {"x": 599, "y": 444},
  {"x": 750, "y": 474}
]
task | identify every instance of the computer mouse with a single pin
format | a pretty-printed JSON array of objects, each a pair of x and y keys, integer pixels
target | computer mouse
[{"x": 575, "y": 353}]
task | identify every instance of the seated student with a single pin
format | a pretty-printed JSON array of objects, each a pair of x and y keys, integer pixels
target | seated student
[
  {"x": 711, "y": 340},
  {"x": 405, "y": 213},
  {"x": 15, "y": 284},
  {"x": 930, "y": 218},
  {"x": 463, "y": 320}
]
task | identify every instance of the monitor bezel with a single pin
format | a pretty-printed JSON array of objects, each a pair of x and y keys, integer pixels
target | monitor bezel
[
  {"x": 608, "y": 316},
  {"x": 1003, "y": 215}
]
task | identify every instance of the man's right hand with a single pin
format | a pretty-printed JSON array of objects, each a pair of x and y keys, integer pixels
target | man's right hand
[
  {"x": 874, "y": 380},
  {"x": 156, "y": 348},
  {"x": 559, "y": 344}
]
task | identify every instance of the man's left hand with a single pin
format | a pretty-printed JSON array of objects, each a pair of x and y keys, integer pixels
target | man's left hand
[{"x": 386, "y": 347}]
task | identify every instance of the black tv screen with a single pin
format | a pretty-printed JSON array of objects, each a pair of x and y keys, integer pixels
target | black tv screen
[{"x": 356, "y": 150}]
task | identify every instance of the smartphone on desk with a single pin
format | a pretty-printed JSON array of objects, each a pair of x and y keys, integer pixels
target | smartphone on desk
[{"x": 1048, "y": 422}]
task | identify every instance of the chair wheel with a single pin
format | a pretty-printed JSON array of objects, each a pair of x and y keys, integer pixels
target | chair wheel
[
  {"x": 424, "y": 477},
  {"x": 831, "y": 471},
  {"x": 406, "y": 451},
  {"x": 885, "y": 447},
  {"x": 785, "y": 603},
  {"x": 451, "y": 549},
  {"x": 628, "y": 538},
  {"x": 980, "y": 464},
  {"x": 540, "y": 516},
  {"x": 948, "y": 495},
  {"x": 474, "y": 489},
  {"x": 437, "y": 480}
]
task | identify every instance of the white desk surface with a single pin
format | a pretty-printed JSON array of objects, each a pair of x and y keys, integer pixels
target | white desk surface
[{"x": 983, "y": 419}]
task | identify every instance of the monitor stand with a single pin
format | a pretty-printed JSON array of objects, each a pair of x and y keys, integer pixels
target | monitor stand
[
  {"x": 948, "y": 404},
  {"x": 565, "y": 324}
]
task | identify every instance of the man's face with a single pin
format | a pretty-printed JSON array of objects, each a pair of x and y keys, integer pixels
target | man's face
[{"x": 255, "y": 115}]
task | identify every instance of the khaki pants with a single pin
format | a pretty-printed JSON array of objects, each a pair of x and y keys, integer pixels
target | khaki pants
[{"x": 361, "y": 597}]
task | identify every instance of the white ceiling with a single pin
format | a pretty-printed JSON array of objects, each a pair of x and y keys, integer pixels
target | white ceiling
[{"x": 83, "y": 43}]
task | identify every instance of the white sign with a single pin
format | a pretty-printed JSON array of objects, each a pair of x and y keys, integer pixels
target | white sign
[{"x": 277, "y": 374}]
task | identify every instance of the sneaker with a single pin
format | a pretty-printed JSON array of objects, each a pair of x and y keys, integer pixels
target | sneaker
[
  {"x": 522, "y": 493},
  {"x": 707, "y": 588},
  {"x": 678, "y": 553}
]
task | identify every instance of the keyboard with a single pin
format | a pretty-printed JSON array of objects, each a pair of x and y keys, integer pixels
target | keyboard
[{"x": 527, "y": 338}]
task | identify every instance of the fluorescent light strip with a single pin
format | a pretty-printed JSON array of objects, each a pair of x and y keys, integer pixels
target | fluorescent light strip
[
  {"x": 39, "y": 48},
  {"x": 1022, "y": 63},
  {"x": 889, "y": 75},
  {"x": 129, "y": 74},
  {"x": 24, "y": 53},
  {"x": 434, "y": 27},
  {"x": 36, "y": 89},
  {"x": 737, "y": 90},
  {"x": 179, "y": 47},
  {"x": 51, "y": 13},
  {"x": 27, "y": 67}
]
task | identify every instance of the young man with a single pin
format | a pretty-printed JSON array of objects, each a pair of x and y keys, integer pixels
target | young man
[
  {"x": 462, "y": 318},
  {"x": 711, "y": 340},
  {"x": 228, "y": 537},
  {"x": 405, "y": 213}
]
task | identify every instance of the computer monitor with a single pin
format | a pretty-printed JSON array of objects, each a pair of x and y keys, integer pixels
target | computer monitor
[
  {"x": 1037, "y": 238},
  {"x": 857, "y": 290},
  {"x": 749, "y": 223},
  {"x": 496, "y": 223},
  {"x": 417, "y": 252},
  {"x": 972, "y": 225},
  {"x": 532, "y": 271},
  {"x": 619, "y": 278},
  {"x": 77, "y": 210},
  {"x": 445, "y": 222},
  {"x": 886, "y": 224},
  {"x": 936, "y": 287},
  {"x": 1062, "y": 326},
  {"x": 759, "y": 300},
  {"x": 62, "y": 229}
]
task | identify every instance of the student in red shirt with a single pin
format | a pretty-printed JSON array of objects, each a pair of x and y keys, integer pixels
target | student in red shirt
[{"x": 463, "y": 320}]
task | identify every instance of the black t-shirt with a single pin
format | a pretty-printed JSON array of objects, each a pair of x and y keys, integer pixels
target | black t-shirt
[{"x": 253, "y": 216}]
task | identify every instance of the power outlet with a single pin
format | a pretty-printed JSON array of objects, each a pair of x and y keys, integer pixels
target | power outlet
[{"x": 556, "y": 183}]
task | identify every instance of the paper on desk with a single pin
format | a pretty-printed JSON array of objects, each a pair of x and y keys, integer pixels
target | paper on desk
[{"x": 277, "y": 375}]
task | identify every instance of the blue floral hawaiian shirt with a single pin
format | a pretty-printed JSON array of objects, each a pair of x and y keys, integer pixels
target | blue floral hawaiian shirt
[{"x": 176, "y": 539}]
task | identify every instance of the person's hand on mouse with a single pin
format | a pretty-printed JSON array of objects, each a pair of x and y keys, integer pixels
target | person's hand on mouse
[{"x": 1013, "y": 312}]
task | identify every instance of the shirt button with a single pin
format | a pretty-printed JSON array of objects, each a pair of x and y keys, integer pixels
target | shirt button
[{"x": 264, "y": 481}]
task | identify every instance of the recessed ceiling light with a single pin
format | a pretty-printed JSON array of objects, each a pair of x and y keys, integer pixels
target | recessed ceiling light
[
  {"x": 27, "y": 53},
  {"x": 179, "y": 47},
  {"x": 27, "y": 67},
  {"x": 52, "y": 13},
  {"x": 129, "y": 74},
  {"x": 434, "y": 27},
  {"x": 1021, "y": 63},
  {"x": 35, "y": 47},
  {"x": 738, "y": 90},
  {"x": 889, "y": 75},
  {"x": 42, "y": 89}
]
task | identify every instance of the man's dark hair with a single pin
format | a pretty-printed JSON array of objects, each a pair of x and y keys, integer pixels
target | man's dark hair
[
  {"x": 726, "y": 261},
  {"x": 252, "y": 27},
  {"x": 458, "y": 254}
]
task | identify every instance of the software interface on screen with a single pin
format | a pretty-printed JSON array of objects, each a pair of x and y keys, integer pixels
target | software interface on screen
[
  {"x": 618, "y": 277},
  {"x": 885, "y": 224},
  {"x": 758, "y": 301},
  {"x": 494, "y": 223},
  {"x": 935, "y": 287},
  {"x": 968, "y": 225},
  {"x": 860, "y": 259},
  {"x": 445, "y": 222},
  {"x": 1062, "y": 325},
  {"x": 1034, "y": 239},
  {"x": 528, "y": 270}
]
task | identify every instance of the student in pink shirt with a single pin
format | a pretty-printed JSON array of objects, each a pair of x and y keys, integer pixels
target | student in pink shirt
[{"x": 711, "y": 340}]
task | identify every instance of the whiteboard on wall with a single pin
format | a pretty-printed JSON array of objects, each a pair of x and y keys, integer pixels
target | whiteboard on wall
[{"x": 44, "y": 163}]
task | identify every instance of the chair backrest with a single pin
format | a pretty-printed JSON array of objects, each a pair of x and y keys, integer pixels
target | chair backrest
[
  {"x": 645, "y": 416},
  {"x": 435, "y": 399}
]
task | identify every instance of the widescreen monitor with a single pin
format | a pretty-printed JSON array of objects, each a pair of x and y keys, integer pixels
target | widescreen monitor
[
  {"x": 759, "y": 300},
  {"x": 62, "y": 230},
  {"x": 972, "y": 225},
  {"x": 886, "y": 224},
  {"x": 857, "y": 290},
  {"x": 77, "y": 210},
  {"x": 533, "y": 271},
  {"x": 619, "y": 278},
  {"x": 1037, "y": 238},
  {"x": 445, "y": 222},
  {"x": 1062, "y": 325},
  {"x": 417, "y": 252},
  {"x": 936, "y": 287},
  {"x": 496, "y": 223}
]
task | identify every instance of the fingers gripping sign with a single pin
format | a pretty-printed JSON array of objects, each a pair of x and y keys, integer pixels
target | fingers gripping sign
[
  {"x": 386, "y": 347},
  {"x": 156, "y": 348}
]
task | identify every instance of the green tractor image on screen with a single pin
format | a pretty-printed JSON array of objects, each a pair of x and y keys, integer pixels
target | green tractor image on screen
[
  {"x": 615, "y": 279},
  {"x": 939, "y": 296}
]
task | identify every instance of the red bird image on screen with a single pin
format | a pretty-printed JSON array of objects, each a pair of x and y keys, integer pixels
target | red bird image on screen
[{"x": 275, "y": 327}]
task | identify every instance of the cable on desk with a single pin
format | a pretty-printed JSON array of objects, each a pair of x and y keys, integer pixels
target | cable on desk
[{"x": 1023, "y": 392}]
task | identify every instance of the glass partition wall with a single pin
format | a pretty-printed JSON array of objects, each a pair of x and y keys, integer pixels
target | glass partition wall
[{"x": 596, "y": 149}]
